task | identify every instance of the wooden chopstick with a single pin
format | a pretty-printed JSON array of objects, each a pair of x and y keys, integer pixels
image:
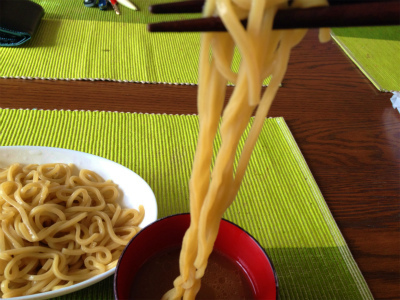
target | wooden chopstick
[
  {"x": 381, "y": 13},
  {"x": 194, "y": 6},
  {"x": 191, "y": 6}
]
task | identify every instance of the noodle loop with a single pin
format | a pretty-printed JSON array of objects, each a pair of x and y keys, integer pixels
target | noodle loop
[{"x": 264, "y": 53}]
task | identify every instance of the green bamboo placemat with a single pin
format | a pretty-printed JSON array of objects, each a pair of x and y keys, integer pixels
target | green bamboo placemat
[
  {"x": 375, "y": 50},
  {"x": 75, "y": 42},
  {"x": 279, "y": 202}
]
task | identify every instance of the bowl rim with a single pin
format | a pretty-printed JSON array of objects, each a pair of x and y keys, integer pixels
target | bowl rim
[{"x": 180, "y": 214}]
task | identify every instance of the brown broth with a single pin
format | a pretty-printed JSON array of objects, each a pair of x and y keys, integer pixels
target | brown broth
[{"x": 223, "y": 279}]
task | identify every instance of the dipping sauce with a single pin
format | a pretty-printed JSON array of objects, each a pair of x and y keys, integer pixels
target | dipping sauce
[{"x": 223, "y": 279}]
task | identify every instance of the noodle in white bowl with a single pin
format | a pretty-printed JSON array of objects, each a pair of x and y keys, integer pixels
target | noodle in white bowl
[{"x": 133, "y": 189}]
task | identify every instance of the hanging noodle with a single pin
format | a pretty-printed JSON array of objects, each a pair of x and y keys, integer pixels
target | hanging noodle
[
  {"x": 264, "y": 52},
  {"x": 58, "y": 228}
]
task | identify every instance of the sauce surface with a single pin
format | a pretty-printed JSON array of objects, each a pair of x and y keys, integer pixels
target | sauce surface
[{"x": 223, "y": 279}]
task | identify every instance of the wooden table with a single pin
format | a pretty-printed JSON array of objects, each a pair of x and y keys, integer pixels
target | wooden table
[{"x": 347, "y": 130}]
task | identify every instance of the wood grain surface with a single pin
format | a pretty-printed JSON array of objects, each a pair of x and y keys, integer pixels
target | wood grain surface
[{"x": 347, "y": 131}]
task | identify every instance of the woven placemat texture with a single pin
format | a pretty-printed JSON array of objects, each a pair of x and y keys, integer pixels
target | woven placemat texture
[
  {"x": 76, "y": 42},
  {"x": 375, "y": 50},
  {"x": 279, "y": 202}
]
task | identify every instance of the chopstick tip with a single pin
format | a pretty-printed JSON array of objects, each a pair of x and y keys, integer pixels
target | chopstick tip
[{"x": 150, "y": 28}]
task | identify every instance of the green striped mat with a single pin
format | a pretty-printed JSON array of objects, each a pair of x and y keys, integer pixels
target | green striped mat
[
  {"x": 279, "y": 202},
  {"x": 75, "y": 42},
  {"x": 375, "y": 51}
]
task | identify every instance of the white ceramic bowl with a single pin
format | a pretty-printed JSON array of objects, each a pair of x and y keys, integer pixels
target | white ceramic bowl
[{"x": 134, "y": 189}]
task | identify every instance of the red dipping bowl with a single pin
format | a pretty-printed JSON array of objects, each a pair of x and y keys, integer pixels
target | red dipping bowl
[{"x": 232, "y": 241}]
